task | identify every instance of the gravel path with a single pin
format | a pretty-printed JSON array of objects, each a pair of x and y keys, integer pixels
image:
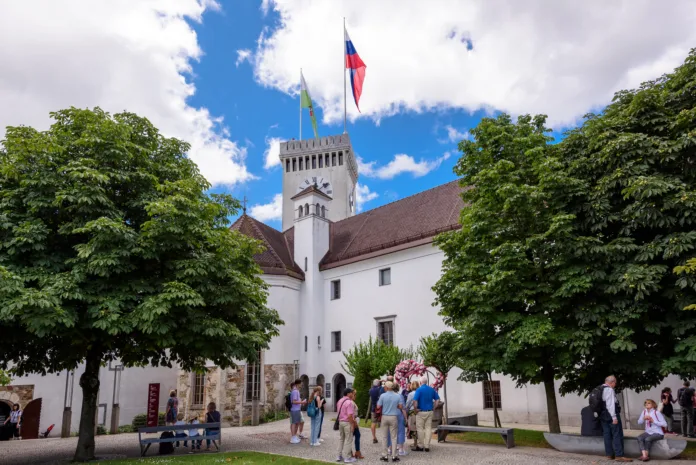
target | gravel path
[{"x": 273, "y": 438}]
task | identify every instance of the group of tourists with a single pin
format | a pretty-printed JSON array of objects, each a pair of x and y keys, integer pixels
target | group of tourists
[
  {"x": 174, "y": 417},
  {"x": 397, "y": 412},
  {"x": 657, "y": 419}
]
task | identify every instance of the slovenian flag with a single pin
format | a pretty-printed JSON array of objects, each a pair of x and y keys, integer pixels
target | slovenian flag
[{"x": 356, "y": 67}]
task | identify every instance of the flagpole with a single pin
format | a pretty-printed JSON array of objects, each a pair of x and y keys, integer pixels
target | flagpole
[
  {"x": 345, "y": 130},
  {"x": 300, "y": 103}
]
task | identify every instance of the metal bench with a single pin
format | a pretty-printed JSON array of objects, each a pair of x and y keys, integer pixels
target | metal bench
[
  {"x": 145, "y": 443},
  {"x": 506, "y": 433}
]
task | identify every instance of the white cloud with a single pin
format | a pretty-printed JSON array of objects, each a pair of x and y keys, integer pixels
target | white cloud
[
  {"x": 401, "y": 163},
  {"x": 130, "y": 55},
  {"x": 268, "y": 211},
  {"x": 265, "y": 6},
  {"x": 561, "y": 58},
  {"x": 363, "y": 195},
  {"x": 454, "y": 135},
  {"x": 272, "y": 154},
  {"x": 242, "y": 56}
]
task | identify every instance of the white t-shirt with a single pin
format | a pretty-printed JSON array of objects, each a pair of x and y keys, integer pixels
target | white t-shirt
[{"x": 194, "y": 432}]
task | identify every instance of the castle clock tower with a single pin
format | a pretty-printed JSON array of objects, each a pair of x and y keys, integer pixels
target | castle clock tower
[{"x": 327, "y": 163}]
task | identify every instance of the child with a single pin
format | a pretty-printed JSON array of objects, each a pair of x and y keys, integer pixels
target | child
[
  {"x": 195, "y": 444},
  {"x": 212, "y": 416},
  {"x": 180, "y": 434},
  {"x": 654, "y": 422}
]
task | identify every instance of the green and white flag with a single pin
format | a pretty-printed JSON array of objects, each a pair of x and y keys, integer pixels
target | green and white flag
[{"x": 306, "y": 102}]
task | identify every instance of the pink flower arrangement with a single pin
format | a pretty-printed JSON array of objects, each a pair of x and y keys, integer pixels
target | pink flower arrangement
[{"x": 409, "y": 368}]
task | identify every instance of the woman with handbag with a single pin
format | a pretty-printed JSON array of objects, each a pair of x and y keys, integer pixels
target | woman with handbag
[{"x": 315, "y": 412}]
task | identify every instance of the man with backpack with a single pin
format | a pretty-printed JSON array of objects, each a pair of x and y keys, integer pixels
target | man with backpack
[
  {"x": 603, "y": 403},
  {"x": 685, "y": 397}
]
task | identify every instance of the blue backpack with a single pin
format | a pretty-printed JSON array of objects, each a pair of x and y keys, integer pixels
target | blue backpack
[{"x": 312, "y": 409}]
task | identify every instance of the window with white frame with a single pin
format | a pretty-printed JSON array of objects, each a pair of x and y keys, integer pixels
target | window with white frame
[
  {"x": 253, "y": 379},
  {"x": 336, "y": 289},
  {"x": 385, "y": 329},
  {"x": 336, "y": 341},
  {"x": 198, "y": 389},
  {"x": 491, "y": 395},
  {"x": 385, "y": 277}
]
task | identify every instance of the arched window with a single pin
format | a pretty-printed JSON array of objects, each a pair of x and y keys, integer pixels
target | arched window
[
  {"x": 323, "y": 211},
  {"x": 306, "y": 209},
  {"x": 317, "y": 211},
  {"x": 300, "y": 211}
]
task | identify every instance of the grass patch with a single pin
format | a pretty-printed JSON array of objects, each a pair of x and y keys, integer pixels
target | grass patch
[
  {"x": 232, "y": 458},
  {"x": 523, "y": 438},
  {"x": 690, "y": 451}
]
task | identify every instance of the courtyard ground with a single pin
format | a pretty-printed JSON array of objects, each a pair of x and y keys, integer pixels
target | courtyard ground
[{"x": 273, "y": 438}]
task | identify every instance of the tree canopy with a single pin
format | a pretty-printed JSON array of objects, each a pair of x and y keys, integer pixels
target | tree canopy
[{"x": 110, "y": 248}]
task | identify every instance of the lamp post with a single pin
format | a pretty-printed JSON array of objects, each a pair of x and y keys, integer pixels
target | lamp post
[
  {"x": 115, "y": 408},
  {"x": 67, "y": 404}
]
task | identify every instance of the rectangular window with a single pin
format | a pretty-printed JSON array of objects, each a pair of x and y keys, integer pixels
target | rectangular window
[
  {"x": 336, "y": 341},
  {"x": 306, "y": 164},
  {"x": 333, "y": 159},
  {"x": 385, "y": 277},
  {"x": 253, "y": 379},
  {"x": 314, "y": 162},
  {"x": 319, "y": 341},
  {"x": 335, "y": 289},
  {"x": 340, "y": 158},
  {"x": 306, "y": 341},
  {"x": 294, "y": 164},
  {"x": 321, "y": 161},
  {"x": 287, "y": 165},
  {"x": 385, "y": 331},
  {"x": 301, "y": 159},
  {"x": 326, "y": 161},
  {"x": 491, "y": 395},
  {"x": 198, "y": 389}
]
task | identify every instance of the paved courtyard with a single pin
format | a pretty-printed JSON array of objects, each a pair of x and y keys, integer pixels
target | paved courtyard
[{"x": 273, "y": 438}]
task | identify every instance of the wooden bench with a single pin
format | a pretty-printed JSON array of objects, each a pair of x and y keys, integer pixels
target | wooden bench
[
  {"x": 506, "y": 433},
  {"x": 145, "y": 443}
]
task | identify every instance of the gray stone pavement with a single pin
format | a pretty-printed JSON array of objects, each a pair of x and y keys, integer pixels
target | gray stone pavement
[{"x": 273, "y": 438}]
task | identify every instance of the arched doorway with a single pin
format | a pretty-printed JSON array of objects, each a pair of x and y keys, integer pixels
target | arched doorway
[
  {"x": 320, "y": 382},
  {"x": 339, "y": 384},
  {"x": 5, "y": 409},
  {"x": 304, "y": 389},
  {"x": 31, "y": 418}
]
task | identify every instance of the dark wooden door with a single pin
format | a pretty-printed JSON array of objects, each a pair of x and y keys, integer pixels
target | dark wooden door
[{"x": 31, "y": 418}]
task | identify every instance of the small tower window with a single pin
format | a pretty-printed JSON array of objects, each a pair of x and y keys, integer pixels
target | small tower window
[
  {"x": 323, "y": 211},
  {"x": 306, "y": 209},
  {"x": 299, "y": 212},
  {"x": 327, "y": 160},
  {"x": 317, "y": 211},
  {"x": 340, "y": 158},
  {"x": 321, "y": 160},
  {"x": 333, "y": 160},
  {"x": 287, "y": 165},
  {"x": 294, "y": 164},
  {"x": 301, "y": 164},
  {"x": 305, "y": 263},
  {"x": 314, "y": 162},
  {"x": 306, "y": 163}
]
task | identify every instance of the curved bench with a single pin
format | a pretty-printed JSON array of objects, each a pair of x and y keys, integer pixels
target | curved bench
[{"x": 592, "y": 445}]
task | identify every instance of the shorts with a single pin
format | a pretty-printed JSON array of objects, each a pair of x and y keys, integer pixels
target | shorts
[
  {"x": 375, "y": 418},
  {"x": 295, "y": 416}
]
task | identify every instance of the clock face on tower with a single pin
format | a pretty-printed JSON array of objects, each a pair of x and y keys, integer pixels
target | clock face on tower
[{"x": 322, "y": 185}]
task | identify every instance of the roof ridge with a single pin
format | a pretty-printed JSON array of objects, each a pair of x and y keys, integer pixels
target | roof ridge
[
  {"x": 287, "y": 244},
  {"x": 401, "y": 200}
]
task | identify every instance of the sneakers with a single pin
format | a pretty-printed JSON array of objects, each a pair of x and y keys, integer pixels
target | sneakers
[
  {"x": 350, "y": 460},
  {"x": 402, "y": 453},
  {"x": 417, "y": 449},
  {"x": 315, "y": 444},
  {"x": 396, "y": 459},
  {"x": 302, "y": 436},
  {"x": 339, "y": 459},
  {"x": 321, "y": 440},
  {"x": 295, "y": 440}
]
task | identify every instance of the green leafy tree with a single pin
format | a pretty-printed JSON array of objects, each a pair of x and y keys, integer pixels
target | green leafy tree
[
  {"x": 366, "y": 361},
  {"x": 638, "y": 165},
  {"x": 509, "y": 277},
  {"x": 4, "y": 378},
  {"x": 110, "y": 248},
  {"x": 440, "y": 352}
]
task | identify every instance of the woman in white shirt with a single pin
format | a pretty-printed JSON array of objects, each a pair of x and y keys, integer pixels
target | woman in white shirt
[
  {"x": 14, "y": 420},
  {"x": 654, "y": 422}
]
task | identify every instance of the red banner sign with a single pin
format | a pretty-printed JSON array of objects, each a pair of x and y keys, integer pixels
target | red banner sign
[{"x": 153, "y": 392}]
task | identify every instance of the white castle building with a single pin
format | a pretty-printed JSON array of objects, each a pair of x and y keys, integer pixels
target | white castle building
[{"x": 336, "y": 278}]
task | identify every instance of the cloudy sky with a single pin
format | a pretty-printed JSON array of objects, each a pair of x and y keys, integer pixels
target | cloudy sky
[{"x": 225, "y": 75}]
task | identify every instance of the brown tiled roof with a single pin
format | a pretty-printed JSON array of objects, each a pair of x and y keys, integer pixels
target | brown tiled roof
[
  {"x": 406, "y": 222},
  {"x": 310, "y": 189},
  {"x": 278, "y": 257}
]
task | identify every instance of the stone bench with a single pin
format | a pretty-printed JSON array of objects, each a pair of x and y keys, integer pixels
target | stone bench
[
  {"x": 145, "y": 443},
  {"x": 507, "y": 433}
]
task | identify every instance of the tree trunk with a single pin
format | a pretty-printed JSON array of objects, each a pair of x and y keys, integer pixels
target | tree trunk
[
  {"x": 551, "y": 406},
  {"x": 89, "y": 382}
]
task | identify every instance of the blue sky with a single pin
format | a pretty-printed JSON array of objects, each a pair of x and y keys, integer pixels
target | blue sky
[
  {"x": 257, "y": 113},
  {"x": 223, "y": 75}
]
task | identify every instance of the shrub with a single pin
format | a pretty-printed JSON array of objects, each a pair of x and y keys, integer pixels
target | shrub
[
  {"x": 126, "y": 429},
  {"x": 140, "y": 420},
  {"x": 101, "y": 430}
]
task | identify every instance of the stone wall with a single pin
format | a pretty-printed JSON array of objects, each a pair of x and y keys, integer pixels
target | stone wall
[
  {"x": 22, "y": 394},
  {"x": 229, "y": 396}
]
